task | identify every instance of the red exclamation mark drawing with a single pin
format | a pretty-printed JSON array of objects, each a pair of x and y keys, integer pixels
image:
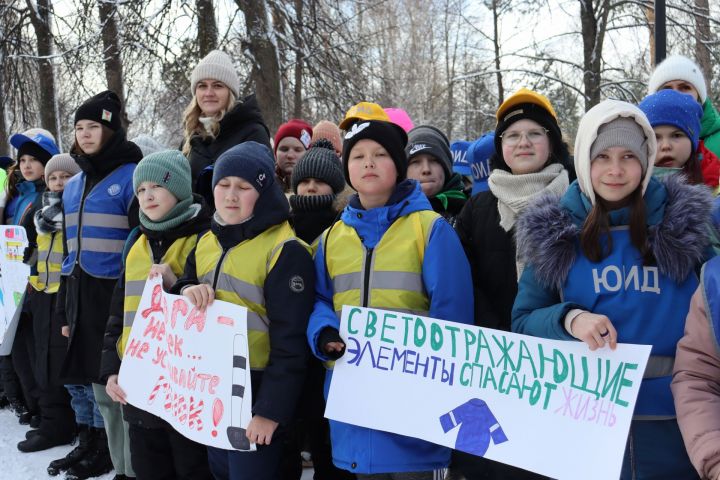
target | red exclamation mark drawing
[{"x": 217, "y": 413}]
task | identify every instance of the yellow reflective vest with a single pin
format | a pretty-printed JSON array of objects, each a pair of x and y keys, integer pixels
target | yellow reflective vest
[
  {"x": 49, "y": 262},
  {"x": 137, "y": 266},
  {"x": 388, "y": 276},
  {"x": 238, "y": 276}
]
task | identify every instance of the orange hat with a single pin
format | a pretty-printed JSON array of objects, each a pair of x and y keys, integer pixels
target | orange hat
[
  {"x": 330, "y": 131},
  {"x": 524, "y": 96},
  {"x": 364, "y": 111}
]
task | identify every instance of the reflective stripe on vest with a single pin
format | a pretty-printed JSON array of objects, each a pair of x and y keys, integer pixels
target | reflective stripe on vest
[
  {"x": 49, "y": 262},
  {"x": 137, "y": 266},
  {"x": 101, "y": 218},
  {"x": 238, "y": 276},
  {"x": 392, "y": 271}
]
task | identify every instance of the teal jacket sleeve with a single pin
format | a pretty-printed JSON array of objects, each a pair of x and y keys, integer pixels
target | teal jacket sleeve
[
  {"x": 446, "y": 275},
  {"x": 539, "y": 311}
]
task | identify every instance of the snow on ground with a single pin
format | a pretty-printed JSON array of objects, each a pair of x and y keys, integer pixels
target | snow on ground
[{"x": 16, "y": 465}]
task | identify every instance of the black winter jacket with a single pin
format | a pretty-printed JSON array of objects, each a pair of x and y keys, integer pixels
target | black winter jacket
[
  {"x": 491, "y": 252},
  {"x": 83, "y": 301},
  {"x": 241, "y": 124},
  {"x": 160, "y": 242}
]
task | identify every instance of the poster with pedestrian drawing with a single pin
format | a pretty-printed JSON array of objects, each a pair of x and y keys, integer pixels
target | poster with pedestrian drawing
[
  {"x": 14, "y": 276},
  {"x": 190, "y": 368},
  {"x": 552, "y": 407}
]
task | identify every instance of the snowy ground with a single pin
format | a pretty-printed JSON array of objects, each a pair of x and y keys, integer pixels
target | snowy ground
[{"x": 33, "y": 466}]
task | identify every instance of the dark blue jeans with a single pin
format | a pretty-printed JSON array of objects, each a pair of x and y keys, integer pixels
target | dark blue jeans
[{"x": 82, "y": 401}]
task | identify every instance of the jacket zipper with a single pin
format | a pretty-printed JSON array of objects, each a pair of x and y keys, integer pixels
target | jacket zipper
[
  {"x": 366, "y": 276},
  {"x": 219, "y": 266}
]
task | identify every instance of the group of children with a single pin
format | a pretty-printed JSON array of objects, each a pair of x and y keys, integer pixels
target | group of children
[{"x": 376, "y": 218}]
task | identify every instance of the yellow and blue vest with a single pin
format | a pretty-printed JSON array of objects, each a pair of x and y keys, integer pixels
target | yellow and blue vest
[{"x": 49, "y": 262}]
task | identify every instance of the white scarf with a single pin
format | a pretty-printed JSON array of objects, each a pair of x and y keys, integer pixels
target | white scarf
[{"x": 514, "y": 192}]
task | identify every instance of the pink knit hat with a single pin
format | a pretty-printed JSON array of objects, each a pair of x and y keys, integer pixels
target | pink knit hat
[{"x": 400, "y": 117}]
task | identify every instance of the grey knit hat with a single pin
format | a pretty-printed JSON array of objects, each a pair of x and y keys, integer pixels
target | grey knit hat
[
  {"x": 62, "y": 162},
  {"x": 430, "y": 140},
  {"x": 621, "y": 132},
  {"x": 216, "y": 65},
  {"x": 320, "y": 162},
  {"x": 168, "y": 168}
]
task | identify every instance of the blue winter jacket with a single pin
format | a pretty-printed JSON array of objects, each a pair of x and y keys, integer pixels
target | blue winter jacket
[
  {"x": 448, "y": 282},
  {"x": 646, "y": 303},
  {"x": 29, "y": 195}
]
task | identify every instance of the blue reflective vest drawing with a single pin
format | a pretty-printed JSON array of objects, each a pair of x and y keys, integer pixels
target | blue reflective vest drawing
[
  {"x": 645, "y": 306},
  {"x": 102, "y": 222}
]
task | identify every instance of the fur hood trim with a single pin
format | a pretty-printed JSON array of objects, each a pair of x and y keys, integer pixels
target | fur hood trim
[{"x": 547, "y": 238}]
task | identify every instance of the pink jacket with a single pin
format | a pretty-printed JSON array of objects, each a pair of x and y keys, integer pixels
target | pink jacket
[{"x": 696, "y": 389}]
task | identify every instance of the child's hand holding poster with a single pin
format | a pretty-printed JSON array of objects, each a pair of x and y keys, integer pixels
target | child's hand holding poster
[
  {"x": 190, "y": 368},
  {"x": 548, "y": 406}
]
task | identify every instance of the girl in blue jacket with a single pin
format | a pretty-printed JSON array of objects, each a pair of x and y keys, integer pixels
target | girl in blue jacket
[
  {"x": 370, "y": 258},
  {"x": 614, "y": 260}
]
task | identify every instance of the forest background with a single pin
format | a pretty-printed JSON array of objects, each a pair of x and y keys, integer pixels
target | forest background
[{"x": 449, "y": 63}]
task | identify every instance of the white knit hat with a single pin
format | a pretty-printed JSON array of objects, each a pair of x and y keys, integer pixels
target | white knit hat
[
  {"x": 678, "y": 67},
  {"x": 62, "y": 162},
  {"x": 216, "y": 65}
]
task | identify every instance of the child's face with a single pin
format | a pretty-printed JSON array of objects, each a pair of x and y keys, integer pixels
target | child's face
[
  {"x": 371, "y": 169},
  {"x": 155, "y": 200},
  {"x": 427, "y": 170},
  {"x": 615, "y": 173},
  {"x": 683, "y": 87},
  {"x": 674, "y": 147},
  {"x": 289, "y": 151},
  {"x": 88, "y": 135},
  {"x": 212, "y": 96},
  {"x": 235, "y": 199},
  {"x": 525, "y": 147},
  {"x": 31, "y": 168},
  {"x": 313, "y": 186},
  {"x": 56, "y": 181}
]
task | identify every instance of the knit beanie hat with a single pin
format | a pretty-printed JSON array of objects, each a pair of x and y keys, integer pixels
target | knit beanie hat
[
  {"x": 62, "y": 162},
  {"x": 678, "y": 67},
  {"x": 621, "y": 132},
  {"x": 430, "y": 140},
  {"x": 295, "y": 128},
  {"x": 216, "y": 65},
  {"x": 148, "y": 144},
  {"x": 168, "y": 168},
  {"x": 330, "y": 131},
  {"x": 525, "y": 104},
  {"x": 37, "y": 143},
  {"x": 104, "y": 108},
  {"x": 669, "y": 107},
  {"x": 320, "y": 162},
  {"x": 251, "y": 161},
  {"x": 389, "y": 135},
  {"x": 400, "y": 117}
]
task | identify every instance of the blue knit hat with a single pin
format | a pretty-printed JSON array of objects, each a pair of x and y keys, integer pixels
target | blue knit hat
[
  {"x": 668, "y": 107},
  {"x": 251, "y": 161}
]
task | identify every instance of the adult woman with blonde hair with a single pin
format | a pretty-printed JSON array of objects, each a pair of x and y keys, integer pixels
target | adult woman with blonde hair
[{"x": 215, "y": 119}]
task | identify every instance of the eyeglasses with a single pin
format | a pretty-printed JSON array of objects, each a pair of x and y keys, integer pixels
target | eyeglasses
[{"x": 513, "y": 138}]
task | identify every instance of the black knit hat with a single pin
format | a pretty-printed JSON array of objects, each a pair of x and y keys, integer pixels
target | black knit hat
[
  {"x": 320, "y": 162},
  {"x": 104, "y": 108},
  {"x": 430, "y": 140},
  {"x": 392, "y": 137},
  {"x": 530, "y": 111}
]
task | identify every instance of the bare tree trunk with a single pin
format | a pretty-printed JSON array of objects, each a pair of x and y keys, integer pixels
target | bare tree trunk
[
  {"x": 265, "y": 66},
  {"x": 297, "y": 111},
  {"x": 496, "y": 46},
  {"x": 111, "y": 53},
  {"x": 207, "y": 27},
  {"x": 449, "y": 73},
  {"x": 40, "y": 18},
  {"x": 650, "y": 16},
  {"x": 703, "y": 35},
  {"x": 593, "y": 20}
]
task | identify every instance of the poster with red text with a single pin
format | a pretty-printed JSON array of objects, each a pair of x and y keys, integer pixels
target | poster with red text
[{"x": 190, "y": 368}]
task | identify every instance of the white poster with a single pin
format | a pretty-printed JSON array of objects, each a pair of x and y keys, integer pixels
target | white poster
[
  {"x": 552, "y": 407},
  {"x": 190, "y": 368},
  {"x": 14, "y": 276}
]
